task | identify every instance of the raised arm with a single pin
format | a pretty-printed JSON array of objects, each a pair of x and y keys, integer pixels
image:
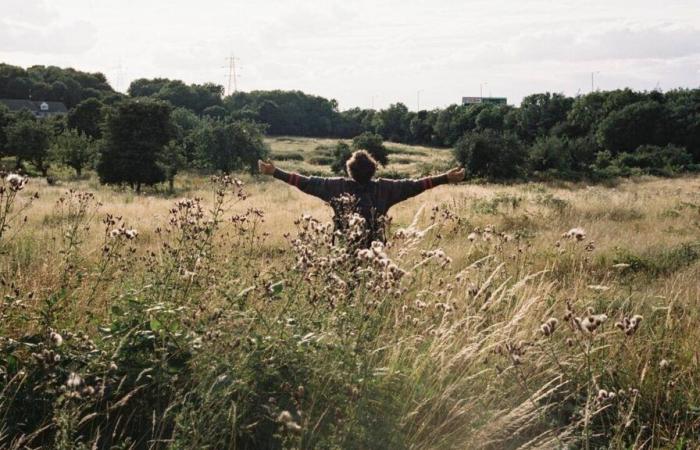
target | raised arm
[
  {"x": 321, "y": 187},
  {"x": 400, "y": 190}
]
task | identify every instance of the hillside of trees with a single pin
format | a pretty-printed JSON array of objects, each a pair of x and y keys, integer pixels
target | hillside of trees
[
  {"x": 167, "y": 125},
  {"x": 53, "y": 83}
]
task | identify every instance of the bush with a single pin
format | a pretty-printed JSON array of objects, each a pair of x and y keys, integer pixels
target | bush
[
  {"x": 490, "y": 154},
  {"x": 550, "y": 153},
  {"x": 655, "y": 160},
  {"x": 374, "y": 144},
  {"x": 371, "y": 142},
  {"x": 321, "y": 160},
  {"x": 341, "y": 154},
  {"x": 294, "y": 156}
]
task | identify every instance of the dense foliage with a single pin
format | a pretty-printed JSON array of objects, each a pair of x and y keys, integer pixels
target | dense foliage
[
  {"x": 53, "y": 83},
  {"x": 550, "y": 135},
  {"x": 148, "y": 323},
  {"x": 135, "y": 134},
  {"x": 228, "y": 146},
  {"x": 29, "y": 140},
  {"x": 195, "y": 97},
  {"x": 373, "y": 143}
]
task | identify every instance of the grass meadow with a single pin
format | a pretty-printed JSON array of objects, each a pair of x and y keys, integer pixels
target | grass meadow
[{"x": 227, "y": 316}]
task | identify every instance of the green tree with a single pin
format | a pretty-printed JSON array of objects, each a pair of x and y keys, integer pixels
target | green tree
[
  {"x": 490, "y": 154},
  {"x": 229, "y": 146},
  {"x": 135, "y": 133},
  {"x": 172, "y": 160},
  {"x": 632, "y": 126},
  {"x": 655, "y": 160},
  {"x": 586, "y": 113},
  {"x": 683, "y": 106},
  {"x": 420, "y": 128},
  {"x": 371, "y": 142},
  {"x": 341, "y": 154},
  {"x": 374, "y": 144},
  {"x": 186, "y": 123},
  {"x": 392, "y": 122},
  {"x": 215, "y": 112},
  {"x": 491, "y": 117},
  {"x": 69, "y": 86},
  {"x": 28, "y": 140},
  {"x": 74, "y": 149},
  {"x": 539, "y": 113},
  {"x": 5, "y": 121},
  {"x": 87, "y": 117},
  {"x": 550, "y": 153}
]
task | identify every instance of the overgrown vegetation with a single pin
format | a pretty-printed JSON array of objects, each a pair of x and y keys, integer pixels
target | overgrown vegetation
[
  {"x": 597, "y": 137},
  {"x": 497, "y": 317}
]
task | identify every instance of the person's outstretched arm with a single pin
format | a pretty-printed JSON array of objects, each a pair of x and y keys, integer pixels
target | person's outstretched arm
[
  {"x": 321, "y": 187},
  {"x": 400, "y": 190}
]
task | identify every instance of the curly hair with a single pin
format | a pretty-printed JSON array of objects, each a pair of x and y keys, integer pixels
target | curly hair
[{"x": 361, "y": 166}]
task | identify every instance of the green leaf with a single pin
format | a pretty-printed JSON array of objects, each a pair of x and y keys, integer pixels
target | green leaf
[
  {"x": 277, "y": 288},
  {"x": 12, "y": 363},
  {"x": 156, "y": 325}
]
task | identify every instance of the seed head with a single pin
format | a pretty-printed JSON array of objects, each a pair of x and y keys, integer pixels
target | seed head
[
  {"x": 56, "y": 339},
  {"x": 577, "y": 233},
  {"x": 74, "y": 381},
  {"x": 549, "y": 326},
  {"x": 284, "y": 417}
]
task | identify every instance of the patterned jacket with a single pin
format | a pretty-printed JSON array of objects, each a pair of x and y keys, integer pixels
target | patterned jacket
[{"x": 373, "y": 199}]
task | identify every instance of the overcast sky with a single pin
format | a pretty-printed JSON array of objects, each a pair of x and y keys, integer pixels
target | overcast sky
[{"x": 365, "y": 52}]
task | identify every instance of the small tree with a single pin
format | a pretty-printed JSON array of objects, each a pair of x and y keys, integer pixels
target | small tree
[
  {"x": 75, "y": 150},
  {"x": 172, "y": 160},
  {"x": 87, "y": 118},
  {"x": 28, "y": 140},
  {"x": 341, "y": 154},
  {"x": 136, "y": 131},
  {"x": 490, "y": 154},
  {"x": 371, "y": 142},
  {"x": 229, "y": 146},
  {"x": 374, "y": 144},
  {"x": 550, "y": 153}
]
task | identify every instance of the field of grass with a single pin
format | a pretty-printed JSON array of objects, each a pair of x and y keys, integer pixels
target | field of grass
[
  {"x": 236, "y": 320},
  {"x": 314, "y": 156}
]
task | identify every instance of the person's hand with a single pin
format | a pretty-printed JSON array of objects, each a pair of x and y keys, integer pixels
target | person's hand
[
  {"x": 455, "y": 175},
  {"x": 266, "y": 167}
]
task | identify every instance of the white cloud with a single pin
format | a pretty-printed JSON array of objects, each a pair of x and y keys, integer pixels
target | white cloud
[
  {"x": 50, "y": 38},
  {"x": 357, "y": 50}
]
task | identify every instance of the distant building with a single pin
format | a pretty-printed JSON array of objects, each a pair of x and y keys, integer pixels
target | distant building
[
  {"x": 489, "y": 100},
  {"x": 40, "y": 109}
]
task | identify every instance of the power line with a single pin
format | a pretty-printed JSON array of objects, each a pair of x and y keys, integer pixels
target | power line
[{"x": 232, "y": 76}]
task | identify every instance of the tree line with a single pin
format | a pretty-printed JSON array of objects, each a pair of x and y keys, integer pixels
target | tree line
[
  {"x": 600, "y": 134},
  {"x": 163, "y": 126},
  {"x": 51, "y": 83}
]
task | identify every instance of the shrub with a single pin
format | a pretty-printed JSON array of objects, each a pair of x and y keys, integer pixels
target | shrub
[
  {"x": 374, "y": 144},
  {"x": 293, "y": 156},
  {"x": 490, "y": 154},
  {"x": 655, "y": 160},
  {"x": 550, "y": 153},
  {"x": 321, "y": 160},
  {"x": 371, "y": 142},
  {"x": 341, "y": 154}
]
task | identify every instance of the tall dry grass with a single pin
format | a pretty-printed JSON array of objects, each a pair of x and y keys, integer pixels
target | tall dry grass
[{"x": 239, "y": 321}]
